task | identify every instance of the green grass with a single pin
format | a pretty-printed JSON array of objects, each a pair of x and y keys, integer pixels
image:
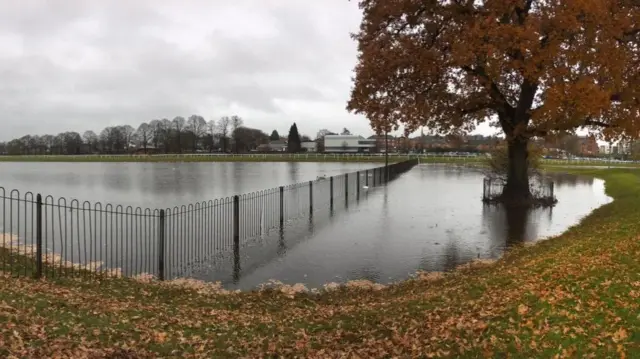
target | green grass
[
  {"x": 576, "y": 295},
  {"x": 285, "y": 157}
]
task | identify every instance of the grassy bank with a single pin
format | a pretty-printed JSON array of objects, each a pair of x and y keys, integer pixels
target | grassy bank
[
  {"x": 576, "y": 295},
  {"x": 285, "y": 157}
]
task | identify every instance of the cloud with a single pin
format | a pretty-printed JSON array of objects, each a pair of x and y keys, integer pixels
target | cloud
[{"x": 78, "y": 65}]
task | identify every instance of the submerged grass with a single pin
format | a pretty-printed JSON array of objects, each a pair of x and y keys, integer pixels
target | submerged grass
[{"x": 576, "y": 295}]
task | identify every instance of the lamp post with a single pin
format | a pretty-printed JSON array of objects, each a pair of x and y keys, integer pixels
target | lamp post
[{"x": 386, "y": 155}]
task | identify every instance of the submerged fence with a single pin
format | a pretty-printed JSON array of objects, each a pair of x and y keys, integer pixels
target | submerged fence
[
  {"x": 45, "y": 236},
  {"x": 540, "y": 187}
]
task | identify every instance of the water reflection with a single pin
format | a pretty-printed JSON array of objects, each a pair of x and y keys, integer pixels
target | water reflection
[
  {"x": 451, "y": 258},
  {"x": 561, "y": 179},
  {"x": 160, "y": 185},
  {"x": 294, "y": 174},
  {"x": 510, "y": 226},
  {"x": 431, "y": 219},
  {"x": 115, "y": 181},
  {"x": 282, "y": 245}
]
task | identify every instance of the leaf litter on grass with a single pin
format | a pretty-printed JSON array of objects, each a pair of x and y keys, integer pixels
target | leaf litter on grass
[{"x": 573, "y": 296}]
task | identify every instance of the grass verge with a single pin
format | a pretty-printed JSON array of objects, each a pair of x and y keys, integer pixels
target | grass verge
[
  {"x": 576, "y": 295},
  {"x": 288, "y": 158}
]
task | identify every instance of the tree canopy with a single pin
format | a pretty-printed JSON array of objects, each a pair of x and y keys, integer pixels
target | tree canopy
[
  {"x": 532, "y": 67},
  {"x": 540, "y": 66},
  {"x": 160, "y": 135}
]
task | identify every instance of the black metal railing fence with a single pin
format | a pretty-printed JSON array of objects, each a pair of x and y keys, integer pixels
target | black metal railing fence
[
  {"x": 541, "y": 188},
  {"x": 48, "y": 237}
]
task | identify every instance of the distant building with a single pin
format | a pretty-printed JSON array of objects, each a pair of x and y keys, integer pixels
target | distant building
[
  {"x": 382, "y": 144},
  {"x": 573, "y": 145},
  {"x": 309, "y": 146},
  {"x": 605, "y": 149},
  {"x": 618, "y": 148},
  {"x": 589, "y": 146},
  {"x": 348, "y": 144},
  {"x": 273, "y": 146}
]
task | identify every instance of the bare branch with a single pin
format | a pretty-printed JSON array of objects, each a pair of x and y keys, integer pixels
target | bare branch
[
  {"x": 494, "y": 91},
  {"x": 534, "y": 132}
]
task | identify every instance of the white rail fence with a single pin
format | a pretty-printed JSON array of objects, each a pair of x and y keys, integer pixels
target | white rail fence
[{"x": 427, "y": 157}]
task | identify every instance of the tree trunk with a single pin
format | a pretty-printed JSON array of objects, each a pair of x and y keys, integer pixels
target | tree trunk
[{"x": 517, "y": 190}]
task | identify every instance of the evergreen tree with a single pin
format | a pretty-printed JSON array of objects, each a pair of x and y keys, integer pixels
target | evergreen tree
[
  {"x": 293, "y": 140},
  {"x": 274, "y": 136}
]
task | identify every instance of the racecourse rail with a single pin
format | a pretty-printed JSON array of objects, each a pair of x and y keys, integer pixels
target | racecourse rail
[{"x": 333, "y": 157}]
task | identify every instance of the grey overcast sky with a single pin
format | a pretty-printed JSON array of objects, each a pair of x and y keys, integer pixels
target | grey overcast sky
[{"x": 77, "y": 65}]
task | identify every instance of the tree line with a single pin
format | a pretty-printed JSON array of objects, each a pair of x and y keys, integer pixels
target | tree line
[{"x": 180, "y": 135}]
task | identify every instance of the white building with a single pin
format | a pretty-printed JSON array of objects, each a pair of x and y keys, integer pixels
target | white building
[
  {"x": 309, "y": 146},
  {"x": 348, "y": 144},
  {"x": 618, "y": 148},
  {"x": 605, "y": 149}
]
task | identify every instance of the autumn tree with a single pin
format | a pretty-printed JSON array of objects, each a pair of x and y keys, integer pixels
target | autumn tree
[{"x": 531, "y": 67}]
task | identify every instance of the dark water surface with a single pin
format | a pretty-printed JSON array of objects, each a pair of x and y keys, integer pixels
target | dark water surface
[
  {"x": 161, "y": 184},
  {"x": 432, "y": 219}
]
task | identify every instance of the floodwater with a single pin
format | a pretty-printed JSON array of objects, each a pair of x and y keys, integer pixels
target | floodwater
[
  {"x": 161, "y": 185},
  {"x": 431, "y": 219}
]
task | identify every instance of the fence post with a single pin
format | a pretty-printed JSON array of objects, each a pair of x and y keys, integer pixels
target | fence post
[
  {"x": 331, "y": 192},
  {"x": 281, "y": 207},
  {"x": 552, "y": 185},
  {"x": 484, "y": 189},
  {"x": 366, "y": 178},
  {"x": 236, "y": 234},
  {"x": 161, "y": 239},
  {"x": 358, "y": 185},
  {"x": 39, "y": 236},
  {"x": 311, "y": 197},
  {"x": 346, "y": 188}
]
